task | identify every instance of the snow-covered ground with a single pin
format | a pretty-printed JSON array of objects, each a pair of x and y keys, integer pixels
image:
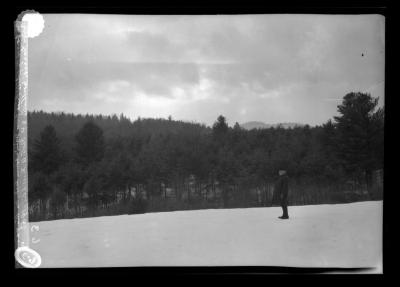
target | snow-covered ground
[{"x": 340, "y": 235}]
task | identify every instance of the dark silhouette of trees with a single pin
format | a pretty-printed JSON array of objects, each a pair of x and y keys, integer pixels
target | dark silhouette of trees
[
  {"x": 71, "y": 178},
  {"x": 360, "y": 134},
  {"x": 57, "y": 201},
  {"x": 47, "y": 155},
  {"x": 90, "y": 165},
  {"x": 90, "y": 144},
  {"x": 39, "y": 189},
  {"x": 220, "y": 127}
]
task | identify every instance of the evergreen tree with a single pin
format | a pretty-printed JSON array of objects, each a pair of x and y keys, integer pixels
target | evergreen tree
[
  {"x": 47, "y": 155},
  {"x": 237, "y": 127},
  {"x": 220, "y": 127},
  {"x": 360, "y": 130},
  {"x": 90, "y": 144}
]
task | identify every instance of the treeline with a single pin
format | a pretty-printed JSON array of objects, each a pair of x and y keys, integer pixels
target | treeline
[{"x": 102, "y": 165}]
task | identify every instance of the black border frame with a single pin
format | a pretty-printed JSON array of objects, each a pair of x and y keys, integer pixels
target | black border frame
[{"x": 145, "y": 8}]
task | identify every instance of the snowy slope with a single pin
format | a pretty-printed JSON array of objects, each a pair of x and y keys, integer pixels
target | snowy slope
[{"x": 342, "y": 235}]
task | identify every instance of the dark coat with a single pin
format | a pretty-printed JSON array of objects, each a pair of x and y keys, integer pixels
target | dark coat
[{"x": 281, "y": 190}]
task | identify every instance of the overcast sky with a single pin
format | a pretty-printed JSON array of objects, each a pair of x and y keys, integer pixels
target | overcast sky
[{"x": 270, "y": 68}]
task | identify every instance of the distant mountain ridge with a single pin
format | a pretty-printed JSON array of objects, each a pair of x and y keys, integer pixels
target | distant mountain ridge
[{"x": 261, "y": 125}]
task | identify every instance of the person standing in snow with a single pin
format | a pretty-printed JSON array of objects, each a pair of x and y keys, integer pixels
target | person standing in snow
[{"x": 281, "y": 192}]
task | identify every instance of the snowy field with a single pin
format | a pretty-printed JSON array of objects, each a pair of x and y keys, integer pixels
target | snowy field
[{"x": 341, "y": 235}]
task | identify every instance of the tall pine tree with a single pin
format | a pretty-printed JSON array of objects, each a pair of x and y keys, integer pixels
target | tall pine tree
[
  {"x": 360, "y": 133},
  {"x": 90, "y": 144},
  {"x": 47, "y": 155}
]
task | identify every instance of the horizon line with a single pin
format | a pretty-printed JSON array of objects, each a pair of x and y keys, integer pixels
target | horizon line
[{"x": 131, "y": 119}]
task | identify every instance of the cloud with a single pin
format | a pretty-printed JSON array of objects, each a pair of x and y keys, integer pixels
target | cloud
[
  {"x": 150, "y": 78},
  {"x": 247, "y": 67},
  {"x": 153, "y": 47}
]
